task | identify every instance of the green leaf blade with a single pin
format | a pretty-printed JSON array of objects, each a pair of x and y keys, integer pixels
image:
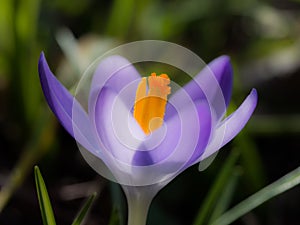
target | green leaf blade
[
  {"x": 285, "y": 183},
  {"x": 43, "y": 197},
  {"x": 224, "y": 200},
  {"x": 216, "y": 190},
  {"x": 84, "y": 210}
]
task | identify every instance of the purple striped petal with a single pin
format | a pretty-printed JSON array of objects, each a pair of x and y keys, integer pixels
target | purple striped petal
[
  {"x": 63, "y": 105},
  {"x": 222, "y": 70},
  {"x": 114, "y": 72},
  {"x": 181, "y": 137},
  {"x": 213, "y": 83},
  {"x": 232, "y": 125},
  {"x": 57, "y": 96},
  {"x": 186, "y": 138},
  {"x": 111, "y": 119}
]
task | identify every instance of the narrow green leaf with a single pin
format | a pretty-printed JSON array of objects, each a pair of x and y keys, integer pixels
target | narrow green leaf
[
  {"x": 114, "y": 217},
  {"x": 217, "y": 189},
  {"x": 84, "y": 210},
  {"x": 253, "y": 172},
  {"x": 285, "y": 183},
  {"x": 226, "y": 197},
  {"x": 44, "y": 201}
]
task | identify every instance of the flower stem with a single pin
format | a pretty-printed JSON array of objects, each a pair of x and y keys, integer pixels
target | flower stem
[
  {"x": 137, "y": 212},
  {"x": 139, "y": 202}
]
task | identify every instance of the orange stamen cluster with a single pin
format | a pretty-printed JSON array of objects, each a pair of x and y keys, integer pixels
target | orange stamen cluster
[{"x": 149, "y": 108}]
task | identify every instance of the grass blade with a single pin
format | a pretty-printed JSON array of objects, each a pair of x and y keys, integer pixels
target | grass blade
[
  {"x": 283, "y": 184},
  {"x": 84, "y": 210},
  {"x": 217, "y": 189},
  {"x": 44, "y": 201},
  {"x": 115, "y": 217},
  {"x": 226, "y": 197}
]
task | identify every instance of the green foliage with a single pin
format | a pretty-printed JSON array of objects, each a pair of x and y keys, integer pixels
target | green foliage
[
  {"x": 217, "y": 189},
  {"x": 115, "y": 217},
  {"x": 285, "y": 183},
  {"x": 225, "y": 199},
  {"x": 84, "y": 210},
  {"x": 44, "y": 201},
  {"x": 46, "y": 207}
]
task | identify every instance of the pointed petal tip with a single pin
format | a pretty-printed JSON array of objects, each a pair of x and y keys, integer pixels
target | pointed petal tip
[
  {"x": 44, "y": 70},
  {"x": 222, "y": 68},
  {"x": 254, "y": 92},
  {"x": 233, "y": 124},
  {"x": 224, "y": 60},
  {"x": 42, "y": 64},
  {"x": 254, "y": 96},
  {"x": 42, "y": 57}
]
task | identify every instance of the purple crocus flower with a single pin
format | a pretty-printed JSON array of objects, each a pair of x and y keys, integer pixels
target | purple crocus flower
[{"x": 191, "y": 127}]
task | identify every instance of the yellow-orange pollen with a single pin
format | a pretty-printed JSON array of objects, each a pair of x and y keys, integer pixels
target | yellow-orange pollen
[{"x": 149, "y": 107}]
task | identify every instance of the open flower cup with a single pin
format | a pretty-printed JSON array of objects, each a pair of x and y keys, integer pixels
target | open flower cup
[{"x": 143, "y": 131}]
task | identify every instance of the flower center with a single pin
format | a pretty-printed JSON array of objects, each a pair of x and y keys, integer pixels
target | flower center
[{"x": 149, "y": 107}]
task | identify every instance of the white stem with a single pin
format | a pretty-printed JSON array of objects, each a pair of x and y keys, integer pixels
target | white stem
[
  {"x": 139, "y": 200},
  {"x": 138, "y": 211}
]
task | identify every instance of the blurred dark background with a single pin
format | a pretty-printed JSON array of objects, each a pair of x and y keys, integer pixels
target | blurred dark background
[{"x": 262, "y": 39}]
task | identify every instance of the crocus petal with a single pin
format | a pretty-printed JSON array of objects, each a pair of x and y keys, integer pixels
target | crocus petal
[
  {"x": 184, "y": 142},
  {"x": 124, "y": 139},
  {"x": 222, "y": 70},
  {"x": 147, "y": 154},
  {"x": 63, "y": 105},
  {"x": 213, "y": 83},
  {"x": 111, "y": 120},
  {"x": 232, "y": 125},
  {"x": 205, "y": 132},
  {"x": 187, "y": 136},
  {"x": 114, "y": 72}
]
